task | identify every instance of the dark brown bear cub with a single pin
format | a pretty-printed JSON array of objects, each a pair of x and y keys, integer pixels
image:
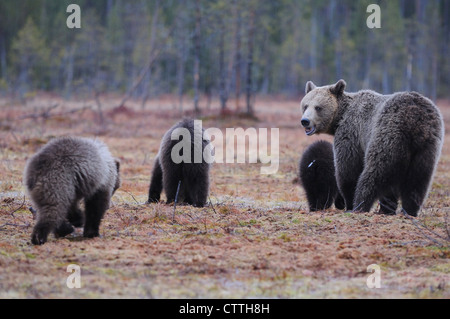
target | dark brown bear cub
[
  {"x": 62, "y": 173},
  {"x": 191, "y": 172},
  {"x": 317, "y": 176}
]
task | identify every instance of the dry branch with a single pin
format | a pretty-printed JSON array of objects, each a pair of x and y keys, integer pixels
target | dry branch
[
  {"x": 420, "y": 226},
  {"x": 17, "y": 209},
  {"x": 99, "y": 108},
  {"x": 46, "y": 113},
  {"x": 154, "y": 54},
  {"x": 26, "y": 225},
  {"x": 141, "y": 76}
]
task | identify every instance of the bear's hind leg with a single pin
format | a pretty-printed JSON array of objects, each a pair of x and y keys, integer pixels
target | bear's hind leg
[
  {"x": 388, "y": 204},
  {"x": 64, "y": 228},
  {"x": 197, "y": 192},
  {"x": 414, "y": 188},
  {"x": 171, "y": 179},
  {"x": 96, "y": 207},
  {"x": 366, "y": 192},
  {"x": 383, "y": 168},
  {"x": 76, "y": 215},
  {"x": 156, "y": 184}
]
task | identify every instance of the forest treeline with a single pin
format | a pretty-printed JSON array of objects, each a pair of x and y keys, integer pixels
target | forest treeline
[{"x": 229, "y": 49}]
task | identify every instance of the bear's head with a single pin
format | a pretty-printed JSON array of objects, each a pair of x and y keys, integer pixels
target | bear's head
[{"x": 319, "y": 106}]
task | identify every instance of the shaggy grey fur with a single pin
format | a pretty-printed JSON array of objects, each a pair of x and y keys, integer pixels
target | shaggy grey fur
[
  {"x": 166, "y": 174},
  {"x": 317, "y": 176},
  {"x": 386, "y": 146},
  {"x": 62, "y": 173}
]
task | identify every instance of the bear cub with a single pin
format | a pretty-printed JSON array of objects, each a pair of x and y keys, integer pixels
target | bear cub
[
  {"x": 317, "y": 176},
  {"x": 190, "y": 173},
  {"x": 65, "y": 171}
]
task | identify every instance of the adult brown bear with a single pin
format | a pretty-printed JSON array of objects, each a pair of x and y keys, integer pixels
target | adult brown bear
[{"x": 386, "y": 146}]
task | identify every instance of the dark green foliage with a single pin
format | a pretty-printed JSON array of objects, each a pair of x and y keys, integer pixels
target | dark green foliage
[{"x": 293, "y": 41}]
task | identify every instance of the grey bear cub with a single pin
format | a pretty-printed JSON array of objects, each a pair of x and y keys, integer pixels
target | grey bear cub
[
  {"x": 317, "y": 176},
  {"x": 191, "y": 175},
  {"x": 65, "y": 171},
  {"x": 386, "y": 147}
]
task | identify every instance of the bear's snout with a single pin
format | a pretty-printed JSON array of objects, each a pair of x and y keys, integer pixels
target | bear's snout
[{"x": 310, "y": 128}]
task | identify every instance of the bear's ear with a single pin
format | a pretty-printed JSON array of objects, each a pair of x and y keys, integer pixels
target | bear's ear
[
  {"x": 309, "y": 87},
  {"x": 338, "y": 88}
]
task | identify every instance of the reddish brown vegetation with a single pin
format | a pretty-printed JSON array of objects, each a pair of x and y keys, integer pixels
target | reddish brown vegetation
[{"x": 255, "y": 240}]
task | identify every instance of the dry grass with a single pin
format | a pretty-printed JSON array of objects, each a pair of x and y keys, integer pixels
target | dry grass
[{"x": 256, "y": 239}]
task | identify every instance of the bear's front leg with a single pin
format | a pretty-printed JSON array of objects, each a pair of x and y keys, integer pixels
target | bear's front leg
[
  {"x": 347, "y": 188},
  {"x": 40, "y": 233},
  {"x": 47, "y": 221},
  {"x": 349, "y": 165}
]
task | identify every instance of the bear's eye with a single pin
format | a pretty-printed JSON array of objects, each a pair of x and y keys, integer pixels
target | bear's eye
[
  {"x": 305, "y": 107},
  {"x": 318, "y": 108}
]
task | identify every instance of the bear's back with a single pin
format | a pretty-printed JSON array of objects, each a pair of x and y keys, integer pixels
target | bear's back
[
  {"x": 70, "y": 162},
  {"x": 195, "y": 134}
]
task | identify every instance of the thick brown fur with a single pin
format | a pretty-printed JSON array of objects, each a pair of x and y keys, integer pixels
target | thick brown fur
[
  {"x": 192, "y": 177},
  {"x": 64, "y": 172},
  {"x": 317, "y": 176},
  {"x": 386, "y": 146}
]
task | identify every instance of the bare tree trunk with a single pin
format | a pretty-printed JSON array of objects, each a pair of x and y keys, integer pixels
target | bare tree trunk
[
  {"x": 180, "y": 76},
  {"x": 101, "y": 118},
  {"x": 267, "y": 64},
  {"x": 3, "y": 73},
  {"x": 251, "y": 32},
  {"x": 223, "y": 77},
  {"x": 197, "y": 55},
  {"x": 109, "y": 6},
  {"x": 154, "y": 53},
  {"x": 409, "y": 72},
  {"x": 237, "y": 60},
  {"x": 421, "y": 47},
  {"x": 182, "y": 49},
  {"x": 69, "y": 71},
  {"x": 367, "y": 62},
  {"x": 385, "y": 82},
  {"x": 152, "y": 46},
  {"x": 338, "y": 57},
  {"x": 146, "y": 92},
  {"x": 313, "y": 47},
  {"x": 433, "y": 49},
  {"x": 434, "y": 77}
]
